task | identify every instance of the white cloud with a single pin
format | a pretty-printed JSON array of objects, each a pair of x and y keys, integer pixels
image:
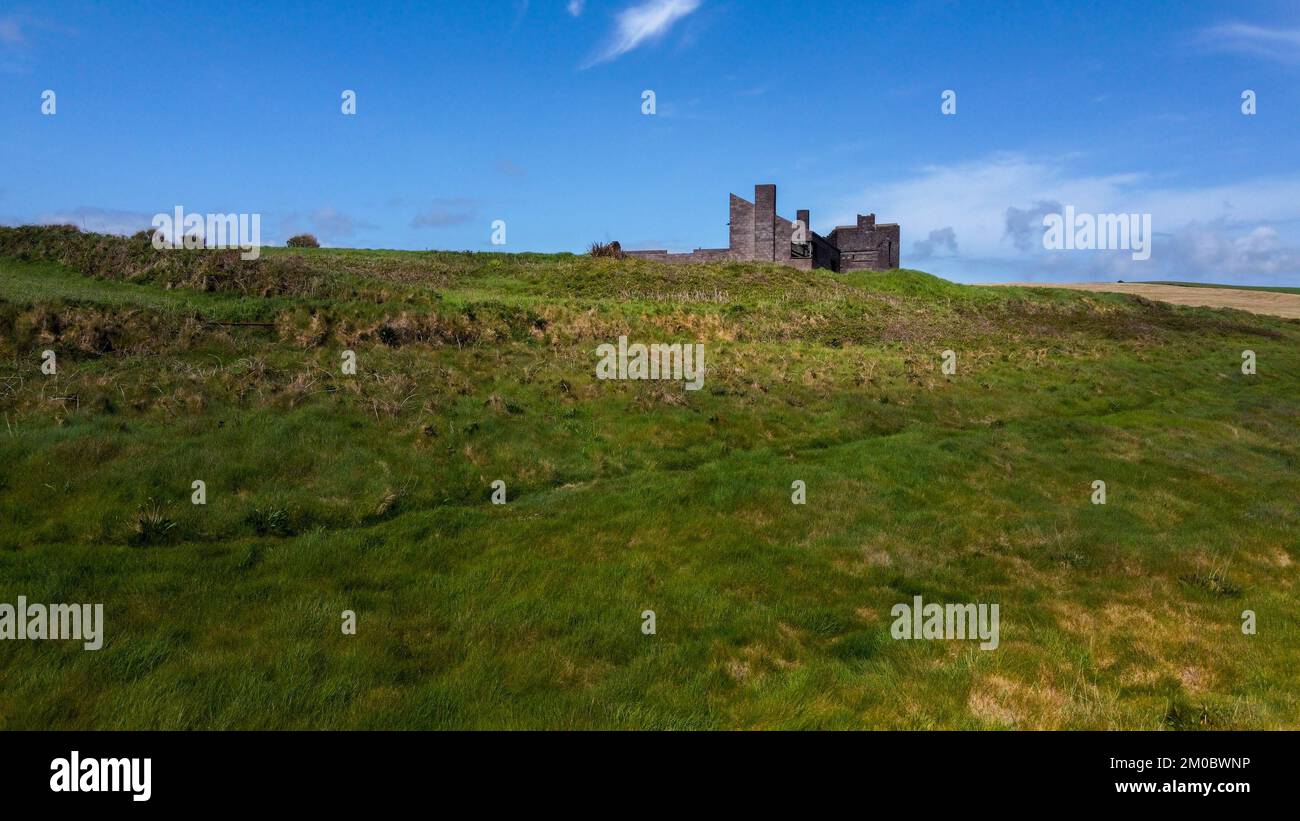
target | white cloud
[
  {"x": 641, "y": 23},
  {"x": 11, "y": 32},
  {"x": 1244, "y": 228},
  {"x": 1216, "y": 248},
  {"x": 1282, "y": 45},
  {"x": 973, "y": 198},
  {"x": 575, "y": 7}
]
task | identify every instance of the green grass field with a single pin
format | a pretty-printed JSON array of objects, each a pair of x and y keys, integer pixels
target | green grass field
[{"x": 371, "y": 493}]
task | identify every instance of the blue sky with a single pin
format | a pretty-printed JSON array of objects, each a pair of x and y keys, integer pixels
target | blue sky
[{"x": 530, "y": 112}]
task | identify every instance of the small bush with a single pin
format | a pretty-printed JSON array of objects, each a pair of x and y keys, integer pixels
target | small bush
[
  {"x": 149, "y": 526},
  {"x": 606, "y": 249},
  {"x": 270, "y": 522},
  {"x": 1214, "y": 582},
  {"x": 303, "y": 241}
]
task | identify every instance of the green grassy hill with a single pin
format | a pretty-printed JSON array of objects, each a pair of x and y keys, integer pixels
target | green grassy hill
[{"x": 371, "y": 493}]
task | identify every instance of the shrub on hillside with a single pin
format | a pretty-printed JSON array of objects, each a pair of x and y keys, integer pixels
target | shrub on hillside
[
  {"x": 606, "y": 249},
  {"x": 303, "y": 241}
]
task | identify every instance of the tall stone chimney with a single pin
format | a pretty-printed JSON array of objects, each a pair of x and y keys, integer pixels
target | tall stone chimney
[
  {"x": 802, "y": 216},
  {"x": 765, "y": 222},
  {"x": 867, "y": 221}
]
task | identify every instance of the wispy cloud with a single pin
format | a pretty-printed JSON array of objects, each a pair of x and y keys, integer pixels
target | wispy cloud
[
  {"x": 512, "y": 169},
  {"x": 21, "y": 37},
  {"x": 1278, "y": 44},
  {"x": 11, "y": 31},
  {"x": 575, "y": 7},
  {"x": 642, "y": 23},
  {"x": 445, "y": 211},
  {"x": 333, "y": 224},
  {"x": 521, "y": 11}
]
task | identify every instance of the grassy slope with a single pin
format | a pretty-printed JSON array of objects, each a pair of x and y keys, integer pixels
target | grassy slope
[{"x": 370, "y": 493}]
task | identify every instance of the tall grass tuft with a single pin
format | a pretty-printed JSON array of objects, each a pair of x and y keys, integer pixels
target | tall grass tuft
[{"x": 149, "y": 526}]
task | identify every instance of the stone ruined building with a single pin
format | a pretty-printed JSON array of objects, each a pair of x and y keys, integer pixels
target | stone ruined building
[{"x": 759, "y": 234}]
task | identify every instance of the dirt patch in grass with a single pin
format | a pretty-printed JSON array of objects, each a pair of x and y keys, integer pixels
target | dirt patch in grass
[{"x": 1256, "y": 302}]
